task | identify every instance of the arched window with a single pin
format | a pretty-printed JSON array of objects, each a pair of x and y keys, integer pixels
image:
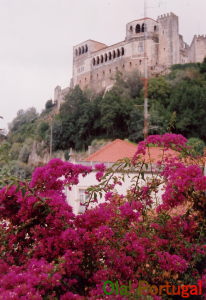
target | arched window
[
  {"x": 138, "y": 28},
  {"x": 102, "y": 59},
  {"x": 94, "y": 62},
  {"x": 114, "y": 54},
  {"x": 76, "y": 52},
  {"x": 97, "y": 60},
  {"x": 105, "y": 57},
  {"x": 122, "y": 51},
  {"x": 143, "y": 27},
  {"x": 155, "y": 28},
  {"x": 131, "y": 29},
  {"x": 118, "y": 53},
  {"x": 86, "y": 48},
  {"x": 110, "y": 55},
  {"x": 80, "y": 51}
]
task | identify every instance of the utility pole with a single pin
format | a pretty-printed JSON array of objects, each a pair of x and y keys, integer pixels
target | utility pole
[{"x": 146, "y": 117}]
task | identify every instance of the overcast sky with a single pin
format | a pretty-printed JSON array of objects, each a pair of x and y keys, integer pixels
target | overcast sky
[{"x": 37, "y": 36}]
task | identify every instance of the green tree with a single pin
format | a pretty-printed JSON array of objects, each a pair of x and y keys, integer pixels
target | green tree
[
  {"x": 43, "y": 129},
  {"x": 188, "y": 100},
  {"x": 136, "y": 123},
  {"x": 78, "y": 122},
  {"x": 49, "y": 105},
  {"x": 4, "y": 153},
  {"x": 159, "y": 89},
  {"x": 15, "y": 150},
  {"x": 23, "y": 126},
  {"x": 22, "y": 118},
  {"x": 181, "y": 94},
  {"x": 203, "y": 66},
  {"x": 115, "y": 113}
]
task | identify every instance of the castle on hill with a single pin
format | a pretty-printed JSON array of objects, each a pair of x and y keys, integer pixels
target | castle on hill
[{"x": 159, "y": 41}]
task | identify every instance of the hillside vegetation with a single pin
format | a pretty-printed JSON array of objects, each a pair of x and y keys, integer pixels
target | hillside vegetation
[{"x": 177, "y": 104}]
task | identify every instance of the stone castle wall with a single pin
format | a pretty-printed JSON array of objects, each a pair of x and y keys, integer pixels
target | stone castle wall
[
  {"x": 95, "y": 64},
  {"x": 197, "y": 49}
]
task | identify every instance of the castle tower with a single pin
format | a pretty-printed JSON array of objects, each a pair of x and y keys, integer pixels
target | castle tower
[
  {"x": 82, "y": 63},
  {"x": 169, "y": 45},
  {"x": 136, "y": 33},
  {"x": 59, "y": 95},
  {"x": 198, "y": 48}
]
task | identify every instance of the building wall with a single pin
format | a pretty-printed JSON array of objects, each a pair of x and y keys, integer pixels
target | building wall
[
  {"x": 184, "y": 51},
  {"x": 198, "y": 48},
  {"x": 75, "y": 194},
  {"x": 97, "y": 69}
]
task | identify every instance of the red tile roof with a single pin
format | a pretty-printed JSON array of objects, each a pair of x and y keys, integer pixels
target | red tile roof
[
  {"x": 155, "y": 154},
  {"x": 119, "y": 149},
  {"x": 113, "y": 151}
]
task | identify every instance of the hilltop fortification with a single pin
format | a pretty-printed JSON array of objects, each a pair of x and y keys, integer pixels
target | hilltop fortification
[{"x": 159, "y": 41}]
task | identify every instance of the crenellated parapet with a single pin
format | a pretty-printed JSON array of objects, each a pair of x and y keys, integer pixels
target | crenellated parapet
[
  {"x": 164, "y": 16},
  {"x": 201, "y": 36}
]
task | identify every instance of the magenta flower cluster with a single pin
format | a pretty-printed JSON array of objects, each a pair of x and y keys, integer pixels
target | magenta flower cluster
[
  {"x": 166, "y": 141},
  {"x": 100, "y": 168},
  {"x": 46, "y": 252}
]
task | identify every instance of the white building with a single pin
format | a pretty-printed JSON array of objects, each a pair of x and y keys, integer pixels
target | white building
[{"x": 109, "y": 154}]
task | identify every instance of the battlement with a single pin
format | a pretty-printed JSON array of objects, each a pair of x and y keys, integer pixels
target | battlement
[
  {"x": 200, "y": 36},
  {"x": 165, "y": 16}
]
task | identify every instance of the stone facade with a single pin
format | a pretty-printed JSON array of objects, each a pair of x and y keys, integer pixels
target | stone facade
[
  {"x": 96, "y": 64},
  {"x": 198, "y": 48},
  {"x": 59, "y": 95}
]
